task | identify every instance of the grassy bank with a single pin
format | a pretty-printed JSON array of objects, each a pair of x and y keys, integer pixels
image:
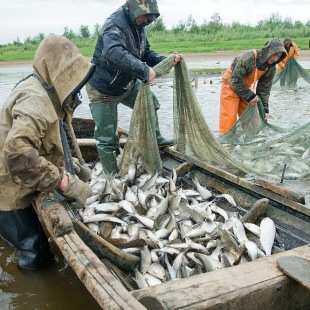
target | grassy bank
[{"x": 26, "y": 51}]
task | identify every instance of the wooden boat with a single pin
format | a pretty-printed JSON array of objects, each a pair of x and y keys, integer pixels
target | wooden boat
[{"x": 257, "y": 285}]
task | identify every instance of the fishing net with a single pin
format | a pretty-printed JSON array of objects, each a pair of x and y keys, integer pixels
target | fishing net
[
  {"x": 192, "y": 135},
  {"x": 285, "y": 156},
  {"x": 141, "y": 146},
  {"x": 251, "y": 128},
  {"x": 271, "y": 151},
  {"x": 252, "y": 146},
  {"x": 289, "y": 75},
  {"x": 191, "y": 132}
]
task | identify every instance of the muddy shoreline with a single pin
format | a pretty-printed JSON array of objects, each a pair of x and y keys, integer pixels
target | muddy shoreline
[{"x": 217, "y": 57}]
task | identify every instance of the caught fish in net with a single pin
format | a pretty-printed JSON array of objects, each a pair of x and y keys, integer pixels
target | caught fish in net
[
  {"x": 251, "y": 127},
  {"x": 291, "y": 73}
]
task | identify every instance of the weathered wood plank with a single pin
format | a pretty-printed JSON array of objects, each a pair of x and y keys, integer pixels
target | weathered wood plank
[
  {"x": 256, "y": 285},
  {"x": 54, "y": 215}
]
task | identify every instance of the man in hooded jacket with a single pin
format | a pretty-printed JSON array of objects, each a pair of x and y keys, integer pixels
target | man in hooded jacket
[
  {"x": 292, "y": 51},
  {"x": 31, "y": 151},
  {"x": 248, "y": 80},
  {"x": 123, "y": 60}
]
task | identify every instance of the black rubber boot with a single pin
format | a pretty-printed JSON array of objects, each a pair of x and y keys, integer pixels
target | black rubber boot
[
  {"x": 23, "y": 230},
  {"x": 161, "y": 141}
]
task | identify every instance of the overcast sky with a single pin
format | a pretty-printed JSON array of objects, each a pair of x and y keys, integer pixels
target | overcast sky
[{"x": 27, "y": 18}]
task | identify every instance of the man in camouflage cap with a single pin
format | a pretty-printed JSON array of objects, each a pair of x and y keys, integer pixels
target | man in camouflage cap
[
  {"x": 248, "y": 80},
  {"x": 123, "y": 60}
]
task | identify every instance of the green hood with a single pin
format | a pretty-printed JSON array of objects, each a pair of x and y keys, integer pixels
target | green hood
[{"x": 142, "y": 7}]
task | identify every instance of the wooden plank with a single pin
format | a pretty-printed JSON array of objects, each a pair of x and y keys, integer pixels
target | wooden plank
[
  {"x": 297, "y": 268},
  {"x": 105, "y": 249},
  {"x": 255, "y": 285},
  {"x": 99, "y": 273},
  {"x": 54, "y": 215}
]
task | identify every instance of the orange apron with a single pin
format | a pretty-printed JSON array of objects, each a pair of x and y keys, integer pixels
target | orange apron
[{"x": 231, "y": 105}]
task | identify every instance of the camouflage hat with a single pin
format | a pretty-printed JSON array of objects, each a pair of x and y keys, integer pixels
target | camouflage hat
[{"x": 142, "y": 7}]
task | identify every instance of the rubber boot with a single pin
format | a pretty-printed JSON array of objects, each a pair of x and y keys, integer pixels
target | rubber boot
[
  {"x": 105, "y": 117},
  {"x": 23, "y": 230},
  {"x": 161, "y": 141}
]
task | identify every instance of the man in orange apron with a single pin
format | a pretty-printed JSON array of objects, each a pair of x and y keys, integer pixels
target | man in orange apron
[
  {"x": 248, "y": 79},
  {"x": 292, "y": 51}
]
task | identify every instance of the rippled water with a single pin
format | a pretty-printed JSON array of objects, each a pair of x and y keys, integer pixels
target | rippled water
[{"x": 57, "y": 287}]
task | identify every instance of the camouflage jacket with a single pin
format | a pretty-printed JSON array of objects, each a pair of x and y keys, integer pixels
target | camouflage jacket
[
  {"x": 31, "y": 152},
  {"x": 244, "y": 64},
  {"x": 123, "y": 52}
]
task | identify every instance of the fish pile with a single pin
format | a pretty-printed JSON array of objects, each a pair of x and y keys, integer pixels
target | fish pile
[{"x": 176, "y": 232}]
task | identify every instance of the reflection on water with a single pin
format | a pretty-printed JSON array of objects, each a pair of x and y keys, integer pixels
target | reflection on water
[{"x": 57, "y": 287}]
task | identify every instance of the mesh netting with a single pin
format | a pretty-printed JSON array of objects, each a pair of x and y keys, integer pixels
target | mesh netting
[
  {"x": 289, "y": 75},
  {"x": 271, "y": 151},
  {"x": 251, "y": 128},
  {"x": 256, "y": 146},
  {"x": 191, "y": 132},
  {"x": 192, "y": 135},
  {"x": 141, "y": 146},
  {"x": 288, "y": 153}
]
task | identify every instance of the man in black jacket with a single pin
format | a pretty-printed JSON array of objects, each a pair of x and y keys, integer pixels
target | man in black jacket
[{"x": 123, "y": 59}]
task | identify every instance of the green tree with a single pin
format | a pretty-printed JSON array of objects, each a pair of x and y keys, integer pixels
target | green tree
[
  {"x": 97, "y": 28},
  {"x": 157, "y": 25},
  {"x": 84, "y": 31},
  {"x": 68, "y": 33}
]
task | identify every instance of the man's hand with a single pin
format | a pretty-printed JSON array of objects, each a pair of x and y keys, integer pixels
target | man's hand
[
  {"x": 152, "y": 76},
  {"x": 177, "y": 58},
  {"x": 82, "y": 171},
  {"x": 74, "y": 188},
  {"x": 255, "y": 100}
]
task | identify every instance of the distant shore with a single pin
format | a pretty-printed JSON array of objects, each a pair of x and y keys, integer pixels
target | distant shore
[{"x": 220, "y": 56}]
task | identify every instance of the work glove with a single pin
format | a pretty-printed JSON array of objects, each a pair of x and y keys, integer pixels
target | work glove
[
  {"x": 77, "y": 190},
  {"x": 81, "y": 170}
]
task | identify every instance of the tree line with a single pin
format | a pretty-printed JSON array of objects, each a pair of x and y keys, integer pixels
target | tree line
[{"x": 214, "y": 29}]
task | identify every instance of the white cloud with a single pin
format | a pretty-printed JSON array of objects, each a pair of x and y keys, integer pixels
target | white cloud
[{"x": 22, "y": 19}]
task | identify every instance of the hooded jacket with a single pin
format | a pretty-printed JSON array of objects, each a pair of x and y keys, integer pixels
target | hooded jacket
[
  {"x": 122, "y": 52},
  {"x": 244, "y": 64},
  {"x": 31, "y": 153},
  {"x": 292, "y": 51}
]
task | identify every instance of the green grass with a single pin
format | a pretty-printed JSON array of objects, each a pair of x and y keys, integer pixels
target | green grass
[{"x": 189, "y": 44}]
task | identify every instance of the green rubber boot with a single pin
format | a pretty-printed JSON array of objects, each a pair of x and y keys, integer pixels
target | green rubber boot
[
  {"x": 161, "y": 141},
  {"x": 105, "y": 117}
]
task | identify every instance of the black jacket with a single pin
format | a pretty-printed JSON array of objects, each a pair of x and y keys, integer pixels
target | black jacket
[{"x": 122, "y": 54}]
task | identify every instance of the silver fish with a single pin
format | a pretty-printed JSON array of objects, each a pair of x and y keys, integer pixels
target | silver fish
[
  {"x": 204, "y": 192},
  {"x": 151, "y": 280},
  {"x": 158, "y": 271},
  {"x": 146, "y": 260},
  {"x": 267, "y": 234}
]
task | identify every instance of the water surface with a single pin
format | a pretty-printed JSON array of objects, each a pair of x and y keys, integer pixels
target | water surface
[{"x": 57, "y": 287}]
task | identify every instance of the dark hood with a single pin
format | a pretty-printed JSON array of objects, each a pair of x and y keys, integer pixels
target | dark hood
[{"x": 272, "y": 47}]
